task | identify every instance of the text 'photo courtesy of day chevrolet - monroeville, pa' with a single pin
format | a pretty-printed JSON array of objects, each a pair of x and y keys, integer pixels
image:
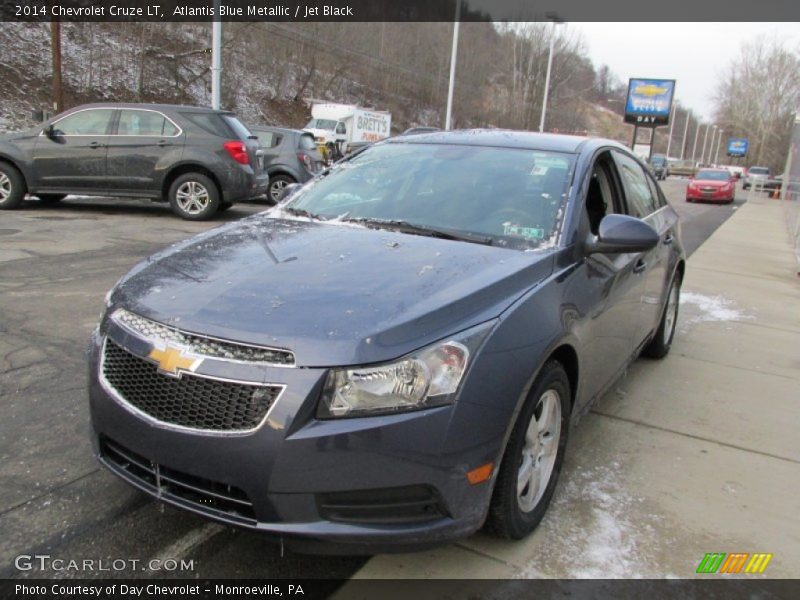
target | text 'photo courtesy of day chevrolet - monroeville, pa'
[{"x": 431, "y": 299}]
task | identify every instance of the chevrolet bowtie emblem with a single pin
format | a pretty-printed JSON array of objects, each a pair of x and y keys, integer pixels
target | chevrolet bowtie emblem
[{"x": 172, "y": 361}]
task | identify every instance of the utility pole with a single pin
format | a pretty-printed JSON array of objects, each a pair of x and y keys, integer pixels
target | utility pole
[
  {"x": 685, "y": 131},
  {"x": 55, "y": 45},
  {"x": 719, "y": 143},
  {"x": 448, "y": 120},
  {"x": 711, "y": 145}
]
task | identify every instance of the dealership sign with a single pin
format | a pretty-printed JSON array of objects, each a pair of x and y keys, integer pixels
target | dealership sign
[
  {"x": 737, "y": 147},
  {"x": 649, "y": 102}
]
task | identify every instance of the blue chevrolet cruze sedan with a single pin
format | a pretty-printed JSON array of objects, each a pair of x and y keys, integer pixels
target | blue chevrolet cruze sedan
[{"x": 392, "y": 356}]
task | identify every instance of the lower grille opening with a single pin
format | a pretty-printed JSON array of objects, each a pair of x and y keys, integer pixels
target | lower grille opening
[
  {"x": 409, "y": 504},
  {"x": 203, "y": 494}
]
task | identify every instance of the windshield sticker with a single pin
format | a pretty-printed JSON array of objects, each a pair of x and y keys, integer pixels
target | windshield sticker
[{"x": 531, "y": 233}]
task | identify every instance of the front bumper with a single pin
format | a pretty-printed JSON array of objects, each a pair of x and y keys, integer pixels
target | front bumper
[
  {"x": 715, "y": 196},
  {"x": 360, "y": 485}
]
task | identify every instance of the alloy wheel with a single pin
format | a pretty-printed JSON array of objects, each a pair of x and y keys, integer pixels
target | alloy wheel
[
  {"x": 276, "y": 187},
  {"x": 5, "y": 187},
  {"x": 539, "y": 453},
  {"x": 671, "y": 316},
  {"x": 192, "y": 197}
]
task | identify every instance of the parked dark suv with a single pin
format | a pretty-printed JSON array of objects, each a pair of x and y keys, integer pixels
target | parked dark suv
[
  {"x": 198, "y": 159},
  {"x": 290, "y": 156}
]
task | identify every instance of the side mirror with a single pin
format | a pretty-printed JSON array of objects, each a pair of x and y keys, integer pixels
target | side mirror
[
  {"x": 619, "y": 234},
  {"x": 288, "y": 191},
  {"x": 49, "y": 131}
]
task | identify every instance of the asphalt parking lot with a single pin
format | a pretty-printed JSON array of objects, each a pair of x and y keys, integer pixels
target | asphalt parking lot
[{"x": 56, "y": 264}]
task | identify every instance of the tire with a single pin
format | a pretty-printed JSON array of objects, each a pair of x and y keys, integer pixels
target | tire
[
  {"x": 50, "y": 198},
  {"x": 514, "y": 512},
  {"x": 12, "y": 187},
  {"x": 661, "y": 343},
  {"x": 194, "y": 197},
  {"x": 276, "y": 185}
]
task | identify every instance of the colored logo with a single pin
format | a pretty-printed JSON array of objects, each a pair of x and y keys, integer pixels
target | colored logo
[
  {"x": 172, "y": 361},
  {"x": 650, "y": 90},
  {"x": 735, "y": 562}
]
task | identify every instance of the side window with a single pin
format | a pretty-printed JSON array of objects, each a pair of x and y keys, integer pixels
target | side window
[
  {"x": 265, "y": 138},
  {"x": 639, "y": 197},
  {"x": 144, "y": 122},
  {"x": 659, "y": 198},
  {"x": 340, "y": 128},
  {"x": 85, "y": 122},
  {"x": 277, "y": 141}
]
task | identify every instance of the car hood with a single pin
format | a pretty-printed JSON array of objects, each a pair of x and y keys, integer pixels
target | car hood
[{"x": 334, "y": 294}]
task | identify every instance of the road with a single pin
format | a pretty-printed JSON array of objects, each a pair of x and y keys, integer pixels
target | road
[{"x": 56, "y": 264}]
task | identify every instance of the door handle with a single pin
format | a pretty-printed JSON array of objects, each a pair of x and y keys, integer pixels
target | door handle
[
  {"x": 669, "y": 239},
  {"x": 161, "y": 143},
  {"x": 96, "y": 145},
  {"x": 640, "y": 266}
]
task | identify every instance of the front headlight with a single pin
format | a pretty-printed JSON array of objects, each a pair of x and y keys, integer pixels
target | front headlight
[{"x": 427, "y": 378}]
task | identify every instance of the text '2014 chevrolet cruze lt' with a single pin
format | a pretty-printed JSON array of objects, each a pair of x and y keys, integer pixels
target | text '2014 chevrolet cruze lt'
[{"x": 391, "y": 357}]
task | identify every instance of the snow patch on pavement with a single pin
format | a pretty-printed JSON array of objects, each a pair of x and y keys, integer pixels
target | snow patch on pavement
[
  {"x": 594, "y": 529},
  {"x": 703, "y": 308}
]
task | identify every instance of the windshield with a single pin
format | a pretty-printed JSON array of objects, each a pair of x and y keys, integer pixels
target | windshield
[
  {"x": 658, "y": 161},
  {"x": 513, "y": 197},
  {"x": 329, "y": 124},
  {"x": 713, "y": 175},
  {"x": 758, "y": 171}
]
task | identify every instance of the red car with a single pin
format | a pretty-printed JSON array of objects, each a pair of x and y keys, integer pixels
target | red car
[{"x": 713, "y": 185}]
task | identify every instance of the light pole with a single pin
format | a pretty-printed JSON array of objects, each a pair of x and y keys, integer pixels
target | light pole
[
  {"x": 705, "y": 139},
  {"x": 694, "y": 148},
  {"x": 216, "y": 58},
  {"x": 711, "y": 145},
  {"x": 671, "y": 125},
  {"x": 685, "y": 131},
  {"x": 448, "y": 120},
  {"x": 556, "y": 21},
  {"x": 719, "y": 143}
]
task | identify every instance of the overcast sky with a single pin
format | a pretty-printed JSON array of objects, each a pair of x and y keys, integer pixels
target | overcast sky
[{"x": 692, "y": 53}]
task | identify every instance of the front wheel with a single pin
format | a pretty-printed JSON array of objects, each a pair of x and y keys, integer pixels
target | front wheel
[
  {"x": 533, "y": 457},
  {"x": 194, "y": 197},
  {"x": 12, "y": 187},
  {"x": 276, "y": 186},
  {"x": 662, "y": 340}
]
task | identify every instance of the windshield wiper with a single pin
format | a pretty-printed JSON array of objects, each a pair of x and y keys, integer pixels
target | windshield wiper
[
  {"x": 302, "y": 212},
  {"x": 406, "y": 227}
]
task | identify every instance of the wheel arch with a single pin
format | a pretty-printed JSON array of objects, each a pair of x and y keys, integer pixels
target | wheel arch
[
  {"x": 4, "y": 158},
  {"x": 184, "y": 168}
]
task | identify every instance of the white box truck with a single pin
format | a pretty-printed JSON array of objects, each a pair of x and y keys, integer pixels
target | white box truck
[{"x": 340, "y": 127}]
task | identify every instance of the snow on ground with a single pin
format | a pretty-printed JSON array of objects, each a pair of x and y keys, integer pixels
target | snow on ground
[
  {"x": 595, "y": 529},
  {"x": 701, "y": 308}
]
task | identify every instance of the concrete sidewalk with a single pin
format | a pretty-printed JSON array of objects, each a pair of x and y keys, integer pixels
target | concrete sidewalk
[{"x": 696, "y": 453}]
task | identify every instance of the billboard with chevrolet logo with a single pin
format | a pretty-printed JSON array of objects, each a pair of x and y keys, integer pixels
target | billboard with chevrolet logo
[{"x": 649, "y": 102}]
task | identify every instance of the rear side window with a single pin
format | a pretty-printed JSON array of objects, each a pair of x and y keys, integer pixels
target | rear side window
[
  {"x": 85, "y": 122},
  {"x": 145, "y": 122},
  {"x": 237, "y": 127},
  {"x": 638, "y": 193},
  {"x": 210, "y": 122},
  {"x": 307, "y": 142}
]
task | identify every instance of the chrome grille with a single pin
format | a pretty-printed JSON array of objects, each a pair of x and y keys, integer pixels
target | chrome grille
[
  {"x": 150, "y": 330},
  {"x": 190, "y": 401}
]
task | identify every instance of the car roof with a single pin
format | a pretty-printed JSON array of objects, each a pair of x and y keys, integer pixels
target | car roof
[
  {"x": 502, "y": 138},
  {"x": 158, "y": 107}
]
